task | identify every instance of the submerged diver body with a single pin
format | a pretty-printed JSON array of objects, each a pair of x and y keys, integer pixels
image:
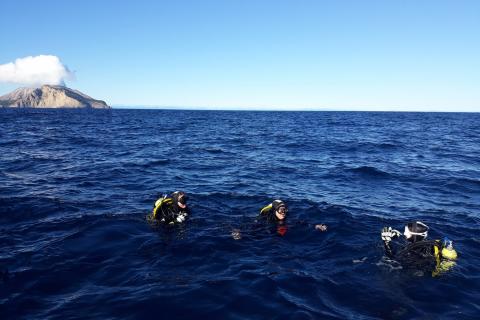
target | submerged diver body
[
  {"x": 416, "y": 252},
  {"x": 173, "y": 209}
]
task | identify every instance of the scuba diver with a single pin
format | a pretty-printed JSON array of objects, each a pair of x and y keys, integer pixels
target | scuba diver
[
  {"x": 276, "y": 212},
  {"x": 273, "y": 217},
  {"x": 416, "y": 252},
  {"x": 171, "y": 210}
]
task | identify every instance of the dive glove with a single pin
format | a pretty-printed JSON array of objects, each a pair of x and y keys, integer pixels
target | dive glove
[
  {"x": 388, "y": 233},
  {"x": 182, "y": 217}
]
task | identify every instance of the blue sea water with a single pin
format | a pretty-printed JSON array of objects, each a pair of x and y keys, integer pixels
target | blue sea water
[{"x": 76, "y": 187}]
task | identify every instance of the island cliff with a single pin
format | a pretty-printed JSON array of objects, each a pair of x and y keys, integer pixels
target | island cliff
[{"x": 49, "y": 96}]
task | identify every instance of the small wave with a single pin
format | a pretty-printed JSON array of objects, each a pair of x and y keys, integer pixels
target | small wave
[
  {"x": 362, "y": 260},
  {"x": 464, "y": 184},
  {"x": 387, "y": 145},
  {"x": 368, "y": 146},
  {"x": 21, "y": 208},
  {"x": 157, "y": 162},
  {"x": 379, "y": 145},
  {"x": 214, "y": 150},
  {"x": 468, "y": 181},
  {"x": 389, "y": 264},
  {"x": 370, "y": 171},
  {"x": 146, "y": 164},
  {"x": 14, "y": 143}
]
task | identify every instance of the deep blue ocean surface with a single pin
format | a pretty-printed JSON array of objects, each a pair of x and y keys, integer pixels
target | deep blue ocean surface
[{"x": 76, "y": 187}]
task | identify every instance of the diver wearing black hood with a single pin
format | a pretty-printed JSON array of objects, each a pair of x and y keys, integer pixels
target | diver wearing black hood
[
  {"x": 274, "y": 212},
  {"x": 275, "y": 215},
  {"x": 416, "y": 252},
  {"x": 172, "y": 209}
]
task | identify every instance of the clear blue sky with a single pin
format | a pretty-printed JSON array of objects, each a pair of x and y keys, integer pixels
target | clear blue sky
[{"x": 388, "y": 55}]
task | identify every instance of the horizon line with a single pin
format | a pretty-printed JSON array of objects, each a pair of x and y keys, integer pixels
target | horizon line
[{"x": 290, "y": 109}]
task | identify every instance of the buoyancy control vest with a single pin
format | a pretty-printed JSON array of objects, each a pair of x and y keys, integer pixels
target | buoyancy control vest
[{"x": 166, "y": 211}]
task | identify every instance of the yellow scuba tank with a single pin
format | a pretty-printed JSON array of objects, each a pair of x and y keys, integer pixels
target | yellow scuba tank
[
  {"x": 445, "y": 257},
  {"x": 274, "y": 205},
  {"x": 266, "y": 209},
  {"x": 158, "y": 205},
  {"x": 449, "y": 253}
]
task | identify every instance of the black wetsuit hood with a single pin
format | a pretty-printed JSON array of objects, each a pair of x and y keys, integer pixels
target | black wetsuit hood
[
  {"x": 271, "y": 216},
  {"x": 277, "y": 204},
  {"x": 175, "y": 196}
]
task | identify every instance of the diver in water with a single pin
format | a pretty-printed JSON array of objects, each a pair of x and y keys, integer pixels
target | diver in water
[
  {"x": 173, "y": 209},
  {"x": 276, "y": 212},
  {"x": 416, "y": 252},
  {"x": 274, "y": 215}
]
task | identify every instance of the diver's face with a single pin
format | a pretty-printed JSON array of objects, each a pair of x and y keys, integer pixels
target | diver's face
[
  {"x": 281, "y": 213},
  {"x": 182, "y": 202}
]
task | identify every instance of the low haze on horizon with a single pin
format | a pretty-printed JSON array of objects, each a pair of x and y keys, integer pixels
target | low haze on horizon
[{"x": 295, "y": 55}]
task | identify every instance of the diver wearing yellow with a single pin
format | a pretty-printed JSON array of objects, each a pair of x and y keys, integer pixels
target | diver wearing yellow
[
  {"x": 171, "y": 209},
  {"x": 417, "y": 252}
]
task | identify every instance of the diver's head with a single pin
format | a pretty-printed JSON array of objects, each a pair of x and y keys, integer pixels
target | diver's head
[
  {"x": 416, "y": 231},
  {"x": 280, "y": 209},
  {"x": 180, "y": 199}
]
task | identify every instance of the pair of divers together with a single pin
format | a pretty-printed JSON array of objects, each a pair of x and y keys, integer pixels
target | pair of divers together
[{"x": 413, "y": 250}]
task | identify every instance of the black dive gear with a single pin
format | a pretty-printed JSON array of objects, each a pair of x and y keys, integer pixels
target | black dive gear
[
  {"x": 417, "y": 253},
  {"x": 420, "y": 255},
  {"x": 167, "y": 209}
]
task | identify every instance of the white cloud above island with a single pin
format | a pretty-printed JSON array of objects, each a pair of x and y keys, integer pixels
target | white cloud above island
[{"x": 35, "y": 71}]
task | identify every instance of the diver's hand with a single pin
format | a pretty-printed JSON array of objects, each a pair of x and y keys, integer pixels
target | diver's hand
[
  {"x": 181, "y": 217},
  {"x": 236, "y": 234},
  {"x": 388, "y": 233}
]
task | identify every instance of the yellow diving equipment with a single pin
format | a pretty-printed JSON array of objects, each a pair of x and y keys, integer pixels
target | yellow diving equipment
[
  {"x": 266, "y": 209},
  {"x": 445, "y": 257},
  {"x": 158, "y": 205},
  {"x": 449, "y": 254}
]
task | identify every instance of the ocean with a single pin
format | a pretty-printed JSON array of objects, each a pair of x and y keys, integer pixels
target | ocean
[{"x": 76, "y": 187}]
